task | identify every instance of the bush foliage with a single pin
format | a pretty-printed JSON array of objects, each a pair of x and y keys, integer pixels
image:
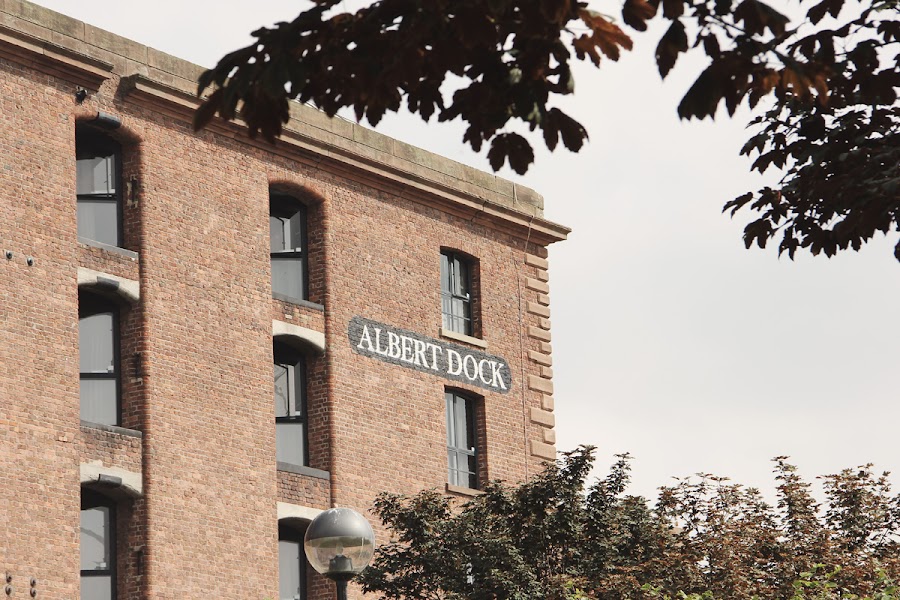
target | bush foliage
[{"x": 558, "y": 537}]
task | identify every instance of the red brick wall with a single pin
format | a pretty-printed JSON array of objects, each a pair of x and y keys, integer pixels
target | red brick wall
[
  {"x": 110, "y": 448},
  {"x": 303, "y": 490},
  {"x": 197, "y": 348},
  {"x": 209, "y": 434},
  {"x": 105, "y": 261},
  {"x": 39, "y": 406},
  {"x": 384, "y": 264}
]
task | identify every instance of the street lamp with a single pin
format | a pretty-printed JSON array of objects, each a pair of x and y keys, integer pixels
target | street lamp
[{"x": 339, "y": 544}]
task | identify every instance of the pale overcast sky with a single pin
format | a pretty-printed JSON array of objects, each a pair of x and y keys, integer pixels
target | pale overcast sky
[{"x": 670, "y": 340}]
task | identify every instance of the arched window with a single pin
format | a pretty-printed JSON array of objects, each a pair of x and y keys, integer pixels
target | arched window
[
  {"x": 288, "y": 246},
  {"x": 457, "y": 293},
  {"x": 462, "y": 456},
  {"x": 291, "y": 564},
  {"x": 290, "y": 405},
  {"x": 98, "y": 175},
  {"x": 98, "y": 350},
  {"x": 98, "y": 547}
]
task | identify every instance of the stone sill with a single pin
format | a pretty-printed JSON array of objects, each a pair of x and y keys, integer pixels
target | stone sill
[
  {"x": 463, "y": 491},
  {"x": 298, "y": 301},
  {"x": 114, "y": 249},
  {"x": 112, "y": 429},
  {"x": 301, "y": 470},
  {"x": 461, "y": 337}
]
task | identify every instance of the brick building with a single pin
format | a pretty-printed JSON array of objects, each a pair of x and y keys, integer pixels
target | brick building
[{"x": 151, "y": 280}]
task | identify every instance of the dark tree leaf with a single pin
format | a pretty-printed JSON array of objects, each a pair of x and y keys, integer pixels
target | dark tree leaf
[
  {"x": 205, "y": 113},
  {"x": 831, "y": 121},
  {"x": 550, "y": 129},
  {"x": 817, "y": 12},
  {"x": 514, "y": 148},
  {"x": 758, "y": 16},
  {"x": 672, "y": 9},
  {"x": 573, "y": 133},
  {"x": 703, "y": 97},
  {"x": 635, "y": 13},
  {"x": 711, "y": 46},
  {"x": 672, "y": 43},
  {"x": 605, "y": 36}
]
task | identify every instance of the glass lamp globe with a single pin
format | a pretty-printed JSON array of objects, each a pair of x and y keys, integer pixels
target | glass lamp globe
[{"x": 339, "y": 543}]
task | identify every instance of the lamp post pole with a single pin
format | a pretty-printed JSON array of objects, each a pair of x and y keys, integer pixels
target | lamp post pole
[
  {"x": 340, "y": 564},
  {"x": 341, "y": 585},
  {"x": 339, "y": 544}
]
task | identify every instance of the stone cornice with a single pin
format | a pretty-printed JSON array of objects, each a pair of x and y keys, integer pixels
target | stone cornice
[
  {"x": 320, "y": 148},
  {"x": 61, "y": 46},
  {"x": 53, "y": 59}
]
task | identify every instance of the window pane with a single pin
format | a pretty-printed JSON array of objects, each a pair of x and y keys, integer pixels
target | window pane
[
  {"x": 96, "y": 343},
  {"x": 447, "y": 311},
  {"x": 471, "y": 480},
  {"x": 450, "y": 421},
  {"x": 96, "y": 175},
  {"x": 287, "y": 276},
  {"x": 461, "y": 456},
  {"x": 457, "y": 323},
  {"x": 298, "y": 388},
  {"x": 99, "y": 401},
  {"x": 282, "y": 390},
  {"x": 290, "y": 442},
  {"x": 462, "y": 469},
  {"x": 462, "y": 425},
  {"x": 95, "y": 540},
  {"x": 461, "y": 278},
  {"x": 459, "y": 308},
  {"x": 460, "y": 312},
  {"x": 98, "y": 220},
  {"x": 276, "y": 234},
  {"x": 96, "y": 587},
  {"x": 291, "y": 563},
  {"x": 470, "y": 424},
  {"x": 445, "y": 274},
  {"x": 455, "y": 289},
  {"x": 297, "y": 225}
]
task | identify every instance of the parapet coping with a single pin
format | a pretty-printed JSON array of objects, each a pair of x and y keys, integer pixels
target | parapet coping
[{"x": 159, "y": 77}]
